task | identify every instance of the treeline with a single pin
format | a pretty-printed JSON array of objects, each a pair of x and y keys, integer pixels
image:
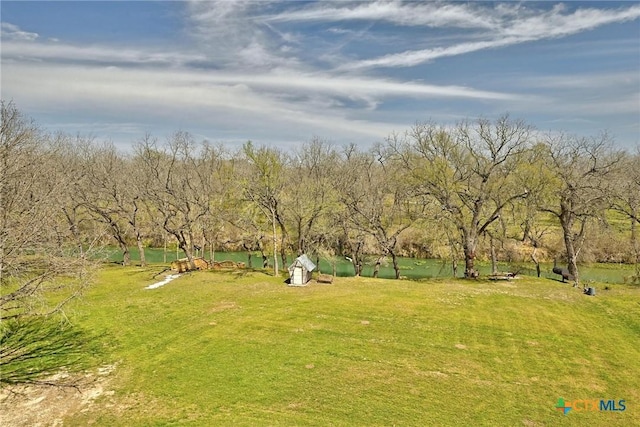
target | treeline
[{"x": 484, "y": 189}]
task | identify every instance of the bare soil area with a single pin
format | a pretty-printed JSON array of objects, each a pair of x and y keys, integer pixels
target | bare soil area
[{"x": 47, "y": 405}]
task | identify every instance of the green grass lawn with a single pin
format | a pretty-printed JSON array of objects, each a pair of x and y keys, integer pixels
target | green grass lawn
[{"x": 215, "y": 348}]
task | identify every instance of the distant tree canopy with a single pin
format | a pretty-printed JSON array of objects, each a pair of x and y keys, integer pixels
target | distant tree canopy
[{"x": 475, "y": 190}]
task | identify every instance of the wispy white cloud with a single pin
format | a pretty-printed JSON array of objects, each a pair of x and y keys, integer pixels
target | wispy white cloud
[
  {"x": 177, "y": 97},
  {"x": 358, "y": 86},
  {"x": 415, "y": 57},
  {"x": 60, "y": 52},
  {"x": 228, "y": 31},
  {"x": 510, "y": 19},
  {"x": 240, "y": 103},
  {"x": 244, "y": 91},
  {"x": 557, "y": 22},
  {"x": 432, "y": 14},
  {"x": 218, "y": 19},
  {"x": 244, "y": 30},
  {"x": 13, "y": 32},
  {"x": 505, "y": 25}
]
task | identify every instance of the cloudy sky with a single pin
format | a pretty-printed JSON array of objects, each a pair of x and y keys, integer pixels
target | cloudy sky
[{"x": 283, "y": 72}]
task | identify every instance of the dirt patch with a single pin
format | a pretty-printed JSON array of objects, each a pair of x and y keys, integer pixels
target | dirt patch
[
  {"x": 224, "y": 306},
  {"x": 44, "y": 406}
]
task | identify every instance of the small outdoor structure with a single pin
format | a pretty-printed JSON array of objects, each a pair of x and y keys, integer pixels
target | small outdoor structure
[
  {"x": 300, "y": 271},
  {"x": 182, "y": 265}
]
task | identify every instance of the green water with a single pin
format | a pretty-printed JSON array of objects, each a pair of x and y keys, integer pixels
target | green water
[{"x": 411, "y": 268}]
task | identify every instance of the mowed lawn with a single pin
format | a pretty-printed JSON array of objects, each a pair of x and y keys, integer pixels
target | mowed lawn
[{"x": 244, "y": 349}]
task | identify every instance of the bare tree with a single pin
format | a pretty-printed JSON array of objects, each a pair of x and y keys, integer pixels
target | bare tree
[
  {"x": 264, "y": 185},
  {"x": 35, "y": 251},
  {"x": 77, "y": 225},
  {"x": 219, "y": 191},
  {"x": 377, "y": 201},
  {"x": 468, "y": 170},
  {"x": 351, "y": 240},
  {"x": 525, "y": 218},
  {"x": 43, "y": 262},
  {"x": 309, "y": 194},
  {"x": 105, "y": 193},
  {"x": 580, "y": 170},
  {"x": 626, "y": 196},
  {"x": 176, "y": 186}
]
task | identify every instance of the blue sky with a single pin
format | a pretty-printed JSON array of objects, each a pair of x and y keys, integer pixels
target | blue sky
[{"x": 282, "y": 72}]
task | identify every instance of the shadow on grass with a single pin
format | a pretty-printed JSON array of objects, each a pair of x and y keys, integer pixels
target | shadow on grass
[{"x": 34, "y": 349}]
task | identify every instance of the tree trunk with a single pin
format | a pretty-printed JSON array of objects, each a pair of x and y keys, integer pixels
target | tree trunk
[
  {"x": 164, "y": 250},
  {"x": 1, "y": 257},
  {"x": 126, "y": 255},
  {"x": 73, "y": 227},
  {"x": 275, "y": 243},
  {"x": 186, "y": 248},
  {"x": 572, "y": 265},
  {"x": 396, "y": 267},
  {"x": 454, "y": 266},
  {"x": 634, "y": 240},
  {"x": 283, "y": 236},
  {"x": 535, "y": 260},
  {"x": 283, "y": 256},
  {"x": 469, "y": 265},
  {"x": 357, "y": 262},
  {"x": 143, "y": 258},
  {"x": 636, "y": 248},
  {"x": 283, "y": 246},
  {"x": 192, "y": 246},
  {"x": 469, "y": 247},
  {"x": 133, "y": 222},
  {"x": 376, "y": 268},
  {"x": 494, "y": 258},
  {"x": 454, "y": 256},
  {"x": 301, "y": 248}
]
